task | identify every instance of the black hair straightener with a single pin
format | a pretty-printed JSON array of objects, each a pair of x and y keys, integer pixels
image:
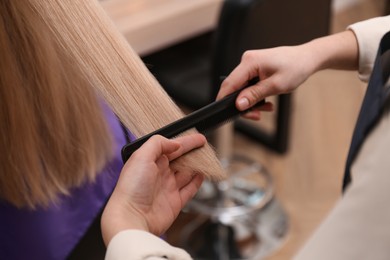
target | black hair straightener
[{"x": 208, "y": 117}]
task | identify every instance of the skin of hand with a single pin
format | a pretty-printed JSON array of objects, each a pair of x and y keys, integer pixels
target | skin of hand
[
  {"x": 149, "y": 194},
  {"x": 282, "y": 69}
]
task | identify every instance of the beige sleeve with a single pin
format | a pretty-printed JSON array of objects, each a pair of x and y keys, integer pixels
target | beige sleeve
[
  {"x": 369, "y": 34},
  {"x": 141, "y": 245},
  {"x": 358, "y": 227}
]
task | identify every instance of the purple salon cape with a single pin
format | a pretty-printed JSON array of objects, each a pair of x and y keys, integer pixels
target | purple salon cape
[{"x": 54, "y": 232}]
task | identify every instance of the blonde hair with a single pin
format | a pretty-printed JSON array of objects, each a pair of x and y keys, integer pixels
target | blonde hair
[{"x": 55, "y": 138}]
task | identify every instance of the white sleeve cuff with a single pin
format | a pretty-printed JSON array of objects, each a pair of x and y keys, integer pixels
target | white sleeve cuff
[
  {"x": 368, "y": 34},
  {"x": 137, "y": 244}
]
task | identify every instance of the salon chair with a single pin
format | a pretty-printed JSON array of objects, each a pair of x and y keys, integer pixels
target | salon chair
[{"x": 191, "y": 71}]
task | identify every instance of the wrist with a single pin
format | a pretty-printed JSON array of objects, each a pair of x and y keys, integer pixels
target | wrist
[
  {"x": 337, "y": 51},
  {"x": 117, "y": 217}
]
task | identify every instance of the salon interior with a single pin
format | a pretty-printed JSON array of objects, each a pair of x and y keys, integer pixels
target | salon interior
[{"x": 285, "y": 171}]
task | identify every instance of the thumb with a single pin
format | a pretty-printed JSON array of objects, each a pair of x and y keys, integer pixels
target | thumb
[
  {"x": 254, "y": 94},
  {"x": 156, "y": 146}
]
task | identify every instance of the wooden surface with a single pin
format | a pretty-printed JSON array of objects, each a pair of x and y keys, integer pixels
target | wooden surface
[
  {"x": 150, "y": 25},
  {"x": 307, "y": 178}
]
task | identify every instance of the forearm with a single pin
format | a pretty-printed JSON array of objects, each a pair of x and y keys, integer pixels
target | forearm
[
  {"x": 353, "y": 49},
  {"x": 337, "y": 51}
]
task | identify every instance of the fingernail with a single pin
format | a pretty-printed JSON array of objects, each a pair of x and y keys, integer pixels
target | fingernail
[{"x": 243, "y": 103}]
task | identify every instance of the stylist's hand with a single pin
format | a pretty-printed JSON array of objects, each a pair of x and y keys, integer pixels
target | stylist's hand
[
  {"x": 280, "y": 70},
  {"x": 149, "y": 194}
]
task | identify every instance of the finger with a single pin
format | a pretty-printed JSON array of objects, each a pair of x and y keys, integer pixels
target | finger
[
  {"x": 183, "y": 179},
  {"x": 238, "y": 78},
  {"x": 187, "y": 143},
  {"x": 254, "y": 94},
  {"x": 162, "y": 163},
  {"x": 252, "y": 115},
  {"x": 156, "y": 146},
  {"x": 255, "y": 112},
  {"x": 189, "y": 191},
  {"x": 266, "y": 107}
]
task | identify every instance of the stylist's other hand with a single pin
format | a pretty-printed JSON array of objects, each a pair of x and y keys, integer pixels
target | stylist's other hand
[
  {"x": 280, "y": 71},
  {"x": 149, "y": 194}
]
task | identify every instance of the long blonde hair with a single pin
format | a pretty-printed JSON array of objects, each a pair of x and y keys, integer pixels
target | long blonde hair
[{"x": 54, "y": 55}]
